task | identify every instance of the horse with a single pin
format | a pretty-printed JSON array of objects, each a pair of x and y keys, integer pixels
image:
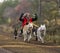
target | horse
[
  {"x": 41, "y": 32},
  {"x": 27, "y": 31}
]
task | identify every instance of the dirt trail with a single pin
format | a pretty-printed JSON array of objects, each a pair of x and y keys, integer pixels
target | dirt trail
[{"x": 19, "y": 46}]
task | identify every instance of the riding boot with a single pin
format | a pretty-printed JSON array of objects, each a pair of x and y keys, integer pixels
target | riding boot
[{"x": 21, "y": 31}]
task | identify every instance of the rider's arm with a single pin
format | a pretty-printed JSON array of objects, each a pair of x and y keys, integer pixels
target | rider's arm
[
  {"x": 21, "y": 17},
  {"x": 34, "y": 19}
]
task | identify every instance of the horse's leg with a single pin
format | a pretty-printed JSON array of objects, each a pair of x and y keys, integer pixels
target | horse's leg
[
  {"x": 42, "y": 36},
  {"x": 42, "y": 39},
  {"x": 38, "y": 38},
  {"x": 25, "y": 36},
  {"x": 29, "y": 37},
  {"x": 38, "y": 34}
]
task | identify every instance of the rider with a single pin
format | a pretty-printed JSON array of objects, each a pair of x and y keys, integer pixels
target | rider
[{"x": 25, "y": 18}]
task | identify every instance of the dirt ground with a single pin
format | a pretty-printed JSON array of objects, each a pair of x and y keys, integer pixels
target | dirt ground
[{"x": 8, "y": 43}]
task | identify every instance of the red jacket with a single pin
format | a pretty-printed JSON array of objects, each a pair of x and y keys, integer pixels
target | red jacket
[{"x": 26, "y": 21}]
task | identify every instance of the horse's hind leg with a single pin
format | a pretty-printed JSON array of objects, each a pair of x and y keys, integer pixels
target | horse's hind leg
[{"x": 42, "y": 39}]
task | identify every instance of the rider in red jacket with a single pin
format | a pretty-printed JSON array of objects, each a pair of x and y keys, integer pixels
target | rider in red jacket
[{"x": 25, "y": 19}]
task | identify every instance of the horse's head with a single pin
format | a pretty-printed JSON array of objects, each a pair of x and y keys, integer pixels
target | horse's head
[
  {"x": 42, "y": 28},
  {"x": 30, "y": 25}
]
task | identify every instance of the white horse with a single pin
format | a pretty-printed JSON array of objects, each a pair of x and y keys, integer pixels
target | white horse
[
  {"x": 41, "y": 32},
  {"x": 27, "y": 32}
]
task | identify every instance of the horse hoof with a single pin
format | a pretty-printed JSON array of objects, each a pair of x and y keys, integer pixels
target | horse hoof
[{"x": 15, "y": 37}]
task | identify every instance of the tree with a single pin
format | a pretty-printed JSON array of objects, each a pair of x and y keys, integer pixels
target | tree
[
  {"x": 49, "y": 10},
  {"x": 7, "y": 3}
]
